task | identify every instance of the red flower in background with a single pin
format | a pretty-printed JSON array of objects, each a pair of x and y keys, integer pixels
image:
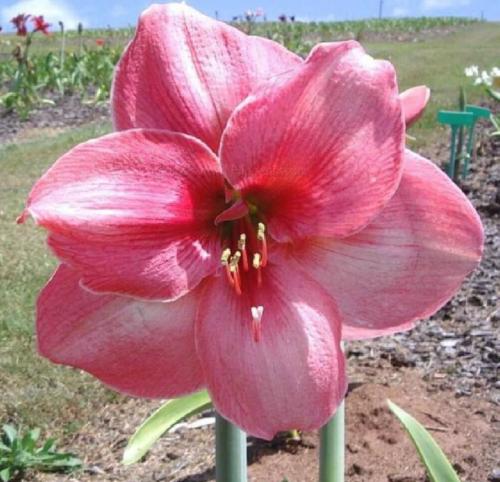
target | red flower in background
[
  {"x": 19, "y": 22},
  {"x": 100, "y": 42},
  {"x": 40, "y": 25}
]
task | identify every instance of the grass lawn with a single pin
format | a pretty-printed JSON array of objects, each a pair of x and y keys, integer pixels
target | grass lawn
[{"x": 34, "y": 392}]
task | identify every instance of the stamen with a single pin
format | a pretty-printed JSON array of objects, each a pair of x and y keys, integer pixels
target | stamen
[
  {"x": 233, "y": 262},
  {"x": 261, "y": 236},
  {"x": 233, "y": 267},
  {"x": 241, "y": 247},
  {"x": 257, "y": 260},
  {"x": 261, "y": 229},
  {"x": 237, "y": 281},
  {"x": 224, "y": 259},
  {"x": 257, "y": 312},
  {"x": 257, "y": 264}
]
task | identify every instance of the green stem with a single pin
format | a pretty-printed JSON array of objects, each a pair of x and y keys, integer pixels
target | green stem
[
  {"x": 332, "y": 452},
  {"x": 230, "y": 452}
]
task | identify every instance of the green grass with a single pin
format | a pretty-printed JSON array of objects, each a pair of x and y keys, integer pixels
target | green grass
[
  {"x": 33, "y": 391},
  {"x": 439, "y": 63}
]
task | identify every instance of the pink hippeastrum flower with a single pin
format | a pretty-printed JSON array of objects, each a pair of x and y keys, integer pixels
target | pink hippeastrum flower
[
  {"x": 40, "y": 25},
  {"x": 19, "y": 22},
  {"x": 252, "y": 210},
  {"x": 413, "y": 102}
]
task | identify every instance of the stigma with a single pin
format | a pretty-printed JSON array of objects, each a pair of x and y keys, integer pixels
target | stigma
[{"x": 257, "y": 312}]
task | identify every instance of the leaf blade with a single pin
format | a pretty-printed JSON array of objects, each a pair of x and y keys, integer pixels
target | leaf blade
[
  {"x": 438, "y": 466},
  {"x": 160, "y": 421}
]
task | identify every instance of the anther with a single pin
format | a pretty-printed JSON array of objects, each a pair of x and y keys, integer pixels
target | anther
[
  {"x": 224, "y": 259},
  {"x": 257, "y": 264},
  {"x": 257, "y": 260},
  {"x": 261, "y": 230},
  {"x": 235, "y": 272},
  {"x": 261, "y": 236},
  {"x": 233, "y": 262},
  {"x": 242, "y": 247},
  {"x": 257, "y": 312},
  {"x": 242, "y": 241}
]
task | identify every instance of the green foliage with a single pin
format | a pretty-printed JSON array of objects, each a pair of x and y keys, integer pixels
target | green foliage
[
  {"x": 164, "y": 418},
  {"x": 28, "y": 81},
  {"x": 19, "y": 453},
  {"x": 437, "y": 465},
  {"x": 44, "y": 77}
]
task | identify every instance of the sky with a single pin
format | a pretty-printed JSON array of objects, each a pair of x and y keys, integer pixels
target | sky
[{"x": 121, "y": 13}]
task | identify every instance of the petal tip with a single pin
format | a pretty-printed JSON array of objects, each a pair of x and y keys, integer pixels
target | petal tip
[{"x": 22, "y": 217}]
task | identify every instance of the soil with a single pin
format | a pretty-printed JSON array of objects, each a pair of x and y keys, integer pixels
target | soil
[
  {"x": 444, "y": 372},
  {"x": 67, "y": 113}
]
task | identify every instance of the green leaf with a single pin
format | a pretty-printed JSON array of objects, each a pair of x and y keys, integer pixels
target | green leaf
[
  {"x": 160, "y": 421},
  {"x": 493, "y": 93},
  {"x": 48, "y": 446},
  {"x": 438, "y": 466},
  {"x": 10, "y": 432},
  {"x": 5, "y": 474}
]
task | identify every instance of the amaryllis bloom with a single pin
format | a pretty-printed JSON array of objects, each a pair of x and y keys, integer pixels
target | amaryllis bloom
[
  {"x": 40, "y": 25},
  {"x": 252, "y": 210},
  {"x": 19, "y": 22}
]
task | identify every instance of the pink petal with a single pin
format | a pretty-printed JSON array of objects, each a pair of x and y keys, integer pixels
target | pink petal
[
  {"x": 414, "y": 101},
  {"x": 293, "y": 376},
  {"x": 134, "y": 212},
  {"x": 408, "y": 262},
  {"x": 319, "y": 150},
  {"x": 145, "y": 349},
  {"x": 192, "y": 69}
]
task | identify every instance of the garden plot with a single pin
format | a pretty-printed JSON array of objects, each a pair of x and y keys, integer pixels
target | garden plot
[{"x": 444, "y": 372}]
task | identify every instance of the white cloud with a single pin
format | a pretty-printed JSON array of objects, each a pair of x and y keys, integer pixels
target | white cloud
[
  {"x": 400, "y": 12},
  {"x": 440, "y": 4},
  {"x": 52, "y": 10},
  {"x": 118, "y": 10}
]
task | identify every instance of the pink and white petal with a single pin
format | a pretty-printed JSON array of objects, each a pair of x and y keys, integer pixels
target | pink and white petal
[
  {"x": 134, "y": 212},
  {"x": 414, "y": 101},
  {"x": 408, "y": 262},
  {"x": 319, "y": 149},
  {"x": 293, "y": 376},
  {"x": 194, "y": 70},
  {"x": 145, "y": 349}
]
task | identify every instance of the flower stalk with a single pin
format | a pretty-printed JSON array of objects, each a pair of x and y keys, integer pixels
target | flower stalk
[
  {"x": 230, "y": 452},
  {"x": 332, "y": 448}
]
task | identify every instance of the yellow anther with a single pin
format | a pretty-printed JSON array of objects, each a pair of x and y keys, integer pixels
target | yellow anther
[
  {"x": 257, "y": 259},
  {"x": 233, "y": 262},
  {"x": 242, "y": 241},
  {"x": 261, "y": 229},
  {"x": 225, "y": 256}
]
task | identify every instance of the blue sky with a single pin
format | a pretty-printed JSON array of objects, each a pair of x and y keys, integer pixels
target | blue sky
[{"x": 100, "y": 13}]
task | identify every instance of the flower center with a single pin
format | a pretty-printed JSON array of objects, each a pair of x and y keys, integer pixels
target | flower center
[{"x": 248, "y": 252}]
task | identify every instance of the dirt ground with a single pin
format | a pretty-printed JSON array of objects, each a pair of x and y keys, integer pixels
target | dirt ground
[{"x": 378, "y": 450}]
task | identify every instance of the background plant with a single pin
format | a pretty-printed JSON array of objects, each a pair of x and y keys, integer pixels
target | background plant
[
  {"x": 19, "y": 453},
  {"x": 40, "y": 70}
]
